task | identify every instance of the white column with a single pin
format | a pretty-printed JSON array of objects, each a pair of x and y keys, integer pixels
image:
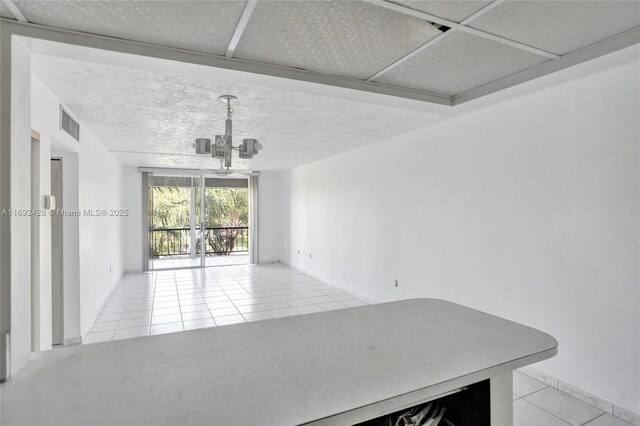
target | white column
[
  {"x": 254, "y": 258},
  {"x": 192, "y": 225},
  {"x": 501, "y": 396}
]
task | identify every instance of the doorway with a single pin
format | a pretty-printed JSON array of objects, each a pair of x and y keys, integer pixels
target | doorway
[
  {"x": 197, "y": 221},
  {"x": 57, "y": 286}
]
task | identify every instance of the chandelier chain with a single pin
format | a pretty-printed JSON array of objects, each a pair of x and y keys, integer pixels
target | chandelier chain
[{"x": 229, "y": 109}]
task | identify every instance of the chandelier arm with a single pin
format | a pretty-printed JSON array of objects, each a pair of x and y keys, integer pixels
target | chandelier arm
[{"x": 223, "y": 148}]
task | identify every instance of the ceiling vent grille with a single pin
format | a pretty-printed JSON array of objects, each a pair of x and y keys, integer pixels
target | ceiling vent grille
[{"x": 68, "y": 124}]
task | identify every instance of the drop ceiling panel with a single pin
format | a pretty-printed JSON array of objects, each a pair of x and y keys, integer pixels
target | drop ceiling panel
[
  {"x": 452, "y": 10},
  {"x": 560, "y": 26},
  {"x": 4, "y": 12},
  {"x": 345, "y": 38},
  {"x": 205, "y": 26},
  {"x": 457, "y": 63}
]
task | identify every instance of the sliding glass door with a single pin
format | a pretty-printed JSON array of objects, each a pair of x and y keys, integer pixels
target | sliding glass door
[
  {"x": 226, "y": 223},
  {"x": 173, "y": 230},
  {"x": 197, "y": 221}
]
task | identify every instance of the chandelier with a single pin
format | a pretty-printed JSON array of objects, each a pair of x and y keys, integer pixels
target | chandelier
[{"x": 223, "y": 144}]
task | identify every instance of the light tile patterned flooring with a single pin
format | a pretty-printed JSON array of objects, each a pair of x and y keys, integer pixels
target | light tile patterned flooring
[
  {"x": 209, "y": 260},
  {"x": 537, "y": 404},
  {"x": 170, "y": 301}
]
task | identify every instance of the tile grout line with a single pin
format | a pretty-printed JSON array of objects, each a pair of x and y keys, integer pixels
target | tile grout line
[
  {"x": 594, "y": 419},
  {"x": 121, "y": 313},
  {"x": 562, "y": 420},
  {"x": 604, "y": 412},
  {"x": 153, "y": 303},
  {"x": 582, "y": 424},
  {"x": 530, "y": 373},
  {"x": 175, "y": 283},
  {"x": 275, "y": 281},
  {"x": 215, "y": 324},
  {"x": 200, "y": 292},
  {"x": 529, "y": 394}
]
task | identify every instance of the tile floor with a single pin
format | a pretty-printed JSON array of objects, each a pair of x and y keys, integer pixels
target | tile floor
[
  {"x": 537, "y": 404},
  {"x": 210, "y": 260},
  {"x": 169, "y": 301}
]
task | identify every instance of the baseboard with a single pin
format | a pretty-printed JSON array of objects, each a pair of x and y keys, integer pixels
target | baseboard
[
  {"x": 332, "y": 284},
  {"x": 102, "y": 305},
  {"x": 589, "y": 398},
  {"x": 626, "y": 415},
  {"x": 269, "y": 262},
  {"x": 73, "y": 341}
]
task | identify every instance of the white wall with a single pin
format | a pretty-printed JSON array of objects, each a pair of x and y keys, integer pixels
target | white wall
[
  {"x": 54, "y": 142},
  {"x": 93, "y": 245},
  {"x": 527, "y": 209},
  {"x": 270, "y": 210},
  {"x": 101, "y": 237},
  {"x": 45, "y": 120},
  {"x": 132, "y": 225},
  {"x": 20, "y": 196}
]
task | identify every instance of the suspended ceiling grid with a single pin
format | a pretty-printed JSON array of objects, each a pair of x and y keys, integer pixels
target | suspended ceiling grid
[{"x": 440, "y": 47}]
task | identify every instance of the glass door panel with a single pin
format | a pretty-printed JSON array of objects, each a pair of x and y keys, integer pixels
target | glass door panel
[
  {"x": 196, "y": 222},
  {"x": 172, "y": 225},
  {"x": 226, "y": 231}
]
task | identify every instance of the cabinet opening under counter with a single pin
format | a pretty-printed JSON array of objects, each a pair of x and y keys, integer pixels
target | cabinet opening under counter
[{"x": 466, "y": 406}]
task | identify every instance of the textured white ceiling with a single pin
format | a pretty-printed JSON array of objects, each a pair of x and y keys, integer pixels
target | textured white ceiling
[
  {"x": 205, "y": 26},
  {"x": 560, "y": 26},
  {"x": 458, "y": 63},
  {"x": 346, "y": 38},
  {"x": 5, "y": 12},
  {"x": 456, "y": 10},
  {"x": 151, "y": 119}
]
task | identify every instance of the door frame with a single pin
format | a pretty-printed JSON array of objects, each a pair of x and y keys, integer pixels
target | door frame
[
  {"x": 147, "y": 173},
  {"x": 146, "y": 185},
  {"x": 57, "y": 300}
]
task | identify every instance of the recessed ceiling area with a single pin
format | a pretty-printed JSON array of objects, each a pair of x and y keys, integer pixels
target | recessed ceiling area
[
  {"x": 151, "y": 119},
  {"x": 445, "y": 67},
  {"x": 348, "y": 38},
  {"x": 5, "y": 12},
  {"x": 204, "y": 26},
  {"x": 436, "y": 51},
  {"x": 560, "y": 27},
  {"x": 454, "y": 10}
]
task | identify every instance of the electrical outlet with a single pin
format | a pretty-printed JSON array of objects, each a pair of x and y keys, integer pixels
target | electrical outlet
[
  {"x": 395, "y": 283},
  {"x": 309, "y": 255},
  {"x": 298, "y": 251}
]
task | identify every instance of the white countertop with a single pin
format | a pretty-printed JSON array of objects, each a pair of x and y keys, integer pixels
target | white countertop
[{"x": 283, "y": 371}]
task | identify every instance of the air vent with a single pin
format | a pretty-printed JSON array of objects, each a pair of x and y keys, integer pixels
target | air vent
[{"x": 68, "y": 124}]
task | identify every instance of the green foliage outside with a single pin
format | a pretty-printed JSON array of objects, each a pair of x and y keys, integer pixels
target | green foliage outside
[
  {"x": 225, "y": 207},
  {"x": 169, "y": 207}
]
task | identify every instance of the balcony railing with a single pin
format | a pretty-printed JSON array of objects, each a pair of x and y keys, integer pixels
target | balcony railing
[{"x": 218, "y": 240}]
